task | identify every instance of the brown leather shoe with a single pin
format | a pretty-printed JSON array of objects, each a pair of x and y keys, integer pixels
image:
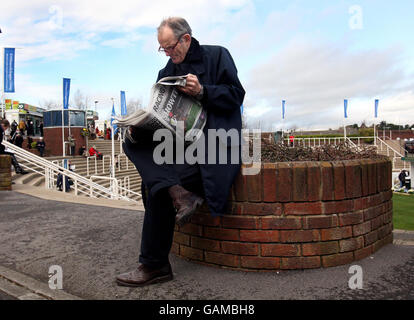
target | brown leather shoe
[
  {"x": 185, "y": 202},
  {"x": 145, "y": 275}
]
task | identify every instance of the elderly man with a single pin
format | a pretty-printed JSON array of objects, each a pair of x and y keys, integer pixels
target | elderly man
[{"x": 172, "y": 192}]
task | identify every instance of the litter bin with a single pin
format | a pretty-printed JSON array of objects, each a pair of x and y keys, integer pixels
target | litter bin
[{"x": 408, "y": 183}]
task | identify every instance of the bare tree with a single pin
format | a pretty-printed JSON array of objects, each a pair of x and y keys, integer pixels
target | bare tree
[
  {"x": 81, "y": 100},
  {"x": 49, "y": 104}
]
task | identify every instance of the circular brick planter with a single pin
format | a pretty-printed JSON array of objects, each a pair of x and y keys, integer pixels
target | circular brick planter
[
  {"x": 296, "y": 215},
  {"x": 5, "y": 173}
]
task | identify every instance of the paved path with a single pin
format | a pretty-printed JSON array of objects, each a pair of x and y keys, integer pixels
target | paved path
[{"x": 93, "y": 244}]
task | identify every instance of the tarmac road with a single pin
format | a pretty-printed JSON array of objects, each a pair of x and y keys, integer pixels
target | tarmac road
[
  {"x": 93, "y": 244},
  {"x": 4, "y": 296}
]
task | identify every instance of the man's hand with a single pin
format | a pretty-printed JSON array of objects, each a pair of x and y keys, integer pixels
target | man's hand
[{"x": 192, "y": 87}]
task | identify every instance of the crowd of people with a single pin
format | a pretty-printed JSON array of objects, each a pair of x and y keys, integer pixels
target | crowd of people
[
  {"x": 4, "y": 129},
  {"x": 96, "y": 133},
  {"x": 26, "y": 128}
]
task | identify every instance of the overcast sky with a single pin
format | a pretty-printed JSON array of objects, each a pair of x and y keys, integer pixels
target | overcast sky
[{"x": 313, "y": 54}]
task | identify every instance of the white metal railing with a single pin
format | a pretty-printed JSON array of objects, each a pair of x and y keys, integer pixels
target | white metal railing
[
  {"x": 106, "y": 164},
  {"x": 120, "y": 187},
  {"x": 87, "y": 165},
  {"x": 318, "y": 141},
  {"x": 103, "y": 163},
  {"x": 381, "y": 143},
  {"x": 351, "y": 143},
  {"x": 312, "y": 142},
  {"x": 50, "y": 171},
  {"x": 391, "y": 152},
  {"x": 113, "y": 185},
  {"x": 119, "y": 157}
]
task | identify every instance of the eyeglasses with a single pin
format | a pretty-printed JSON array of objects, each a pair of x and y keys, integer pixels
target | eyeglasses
[{"x": 170, "y": 48}]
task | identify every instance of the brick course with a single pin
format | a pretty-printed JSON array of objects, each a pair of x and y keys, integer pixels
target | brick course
[{"x": 295, "y": 216}]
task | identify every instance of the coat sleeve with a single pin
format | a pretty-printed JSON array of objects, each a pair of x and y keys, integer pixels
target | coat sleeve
[{"x": 227, "y": 93}]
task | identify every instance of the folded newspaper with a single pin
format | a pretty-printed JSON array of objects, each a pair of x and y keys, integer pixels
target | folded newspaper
[{"x": 167, "y": 107}]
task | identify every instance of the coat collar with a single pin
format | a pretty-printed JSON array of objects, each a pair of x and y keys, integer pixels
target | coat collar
[{"x": 194, "y": 57}]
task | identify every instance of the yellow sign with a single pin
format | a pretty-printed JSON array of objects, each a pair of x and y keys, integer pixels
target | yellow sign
[
  {"x": 8, "y": 103},
  {"x": 15, "y": 105}
]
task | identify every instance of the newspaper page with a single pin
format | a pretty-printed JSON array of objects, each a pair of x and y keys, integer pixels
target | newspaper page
[{"x": 167, "y": 107}]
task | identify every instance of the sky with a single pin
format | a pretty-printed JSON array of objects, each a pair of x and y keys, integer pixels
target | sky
[{"x": 311, "y": 53}]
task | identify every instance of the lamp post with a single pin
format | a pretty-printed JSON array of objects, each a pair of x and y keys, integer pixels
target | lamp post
[{"x": 96, "y": 102}]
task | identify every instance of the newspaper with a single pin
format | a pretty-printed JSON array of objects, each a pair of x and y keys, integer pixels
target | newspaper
[{"x": 166, "y": 108}]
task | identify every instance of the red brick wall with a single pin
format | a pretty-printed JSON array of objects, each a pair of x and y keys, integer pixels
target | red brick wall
[
  {"x": 296, "y": 215},
  {"x": 402, "y": 134},
  {"x": 53, "y": 140}
]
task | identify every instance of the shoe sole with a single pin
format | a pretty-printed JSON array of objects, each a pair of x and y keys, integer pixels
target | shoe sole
[
  {"x": 186, "y": 219},
  {"x": 149, "y": 282}
]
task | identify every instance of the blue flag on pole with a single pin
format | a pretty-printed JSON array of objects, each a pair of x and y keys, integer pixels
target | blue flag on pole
[
  {"x": 376, "y": 108},
  {"x": 9, "y": 57},
  {"x": 114, "y": 126},
  {"x": 346, "y": 108},
  {"x": 283, "y": 109},
  {"x": 241, "y": 109},
  {"x": 66, "y": 90},
  {"x": 123, "y": 104}
]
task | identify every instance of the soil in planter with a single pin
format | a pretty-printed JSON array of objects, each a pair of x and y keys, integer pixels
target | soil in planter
[{"x": 282, "y": 153}]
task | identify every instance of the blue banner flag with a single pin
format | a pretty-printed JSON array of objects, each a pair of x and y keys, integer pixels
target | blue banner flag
[
  {"x": 66, "y": 90},
  {"x": 9, "y": 57},
  {"x": 283, "y": 109},
  {"x": 346, "y": 108},
  {"x": 376, "y": 108},
  {"x": 123, "y": 104},
  {"x": 241, "y": 109},
  {"x": 114, "y": 126}
]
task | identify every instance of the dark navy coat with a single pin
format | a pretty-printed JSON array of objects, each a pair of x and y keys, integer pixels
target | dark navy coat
[{"x": 223, "y": 96}]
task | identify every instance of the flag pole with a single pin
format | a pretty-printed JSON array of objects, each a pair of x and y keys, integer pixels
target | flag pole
[
  {"x": 375, "y": 117},
  {"x": 283, "y": 119},
  {"x": 123, "y": 113},
  {"x": 113, "y": 145},
  {"x": 345, "y": 116},
  {"x": 3, "y": 94},
  {"x": 63, "y": 131}
]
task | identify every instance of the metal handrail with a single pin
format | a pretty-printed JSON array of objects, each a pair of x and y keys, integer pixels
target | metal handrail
[
  {"x": 396, "y": 155},
  {"x": 315, "y": 141},
  {"x": 103, "y": 162},
  {"x": 353, "y": 145},
  {"x": 389, "y": 147},
  {"x": 51, "y": 168},
  {"x": 126, "y": 188},
  {"x": 87, "y": 165},
  {"x": 119, "y": 156}
]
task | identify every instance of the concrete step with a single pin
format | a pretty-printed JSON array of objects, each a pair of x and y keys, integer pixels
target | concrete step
[
  {"x": 38, "y": 181},
  {"x": 25, "y": 179}
]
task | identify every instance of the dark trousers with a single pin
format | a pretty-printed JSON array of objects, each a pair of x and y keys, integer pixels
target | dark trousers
[
  {"x": 41, "y": 151},
  {"x": 13, "y": 161},
  {"x": 159, "y": 219}
]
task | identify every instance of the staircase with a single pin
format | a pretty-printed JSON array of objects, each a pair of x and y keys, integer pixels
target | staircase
[
  {"x": 394, "y": 150},
  {"x": 123, "y": 172}
]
